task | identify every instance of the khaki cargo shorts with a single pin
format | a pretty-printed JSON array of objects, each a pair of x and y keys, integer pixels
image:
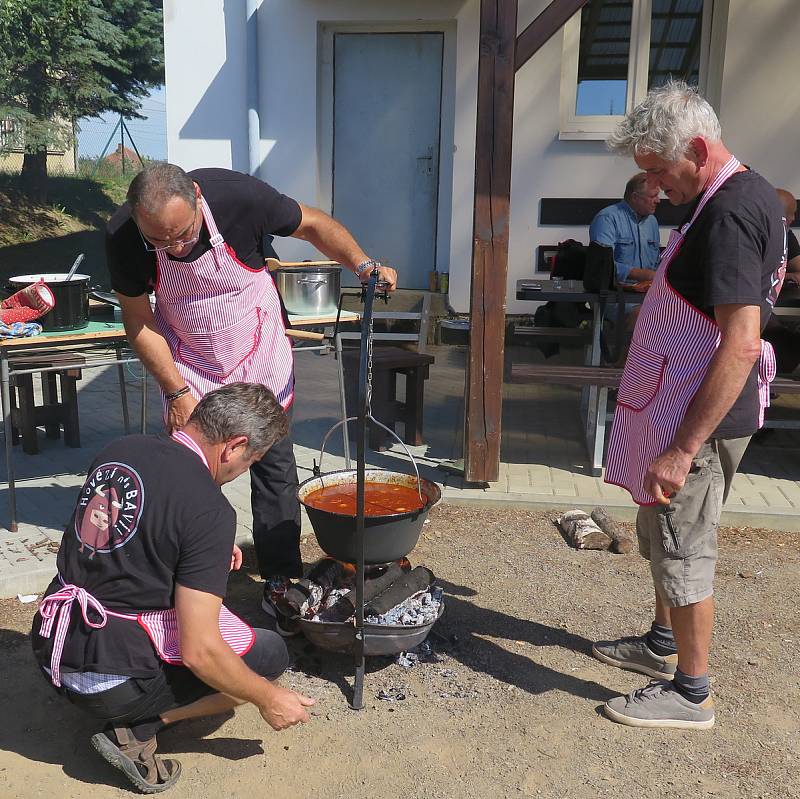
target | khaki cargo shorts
[{"x": 680, "y": 539}]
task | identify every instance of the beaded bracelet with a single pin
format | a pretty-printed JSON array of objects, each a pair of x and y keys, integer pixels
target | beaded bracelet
[{"x": 171, "y": 397}]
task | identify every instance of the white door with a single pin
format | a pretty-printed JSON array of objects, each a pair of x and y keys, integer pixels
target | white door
[{"x": 386, "y": 118}]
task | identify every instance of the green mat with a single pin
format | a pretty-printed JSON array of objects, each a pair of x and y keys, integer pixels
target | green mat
[{"x": 92, "y": 327}]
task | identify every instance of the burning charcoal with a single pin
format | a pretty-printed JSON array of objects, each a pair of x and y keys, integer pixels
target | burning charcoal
[
  {"x": 415, "y": 581},
  {"x": 411, "y": 612},
  {"x": 582, "y": 532},
  {"x": 324, "y": 575},
  {"x": 345, "y": 606}
]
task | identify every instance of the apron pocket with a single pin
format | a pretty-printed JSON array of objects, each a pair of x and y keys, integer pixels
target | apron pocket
[
  {"x": 219, "y": 352},
  {"x": 641, "y": 379}
]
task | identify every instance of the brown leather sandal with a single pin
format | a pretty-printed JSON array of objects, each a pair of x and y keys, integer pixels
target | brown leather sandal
[{"x": 136, "y": 759}]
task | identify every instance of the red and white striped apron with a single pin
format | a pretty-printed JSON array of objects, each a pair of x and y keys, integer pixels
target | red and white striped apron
[
  {"x": 223, "y": 321},
  {"x": 671, "y": 349},
  {"x": 161, "y": 626}
]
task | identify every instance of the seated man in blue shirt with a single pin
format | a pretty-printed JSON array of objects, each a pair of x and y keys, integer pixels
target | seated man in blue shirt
[{"x": 630, "y": 228}]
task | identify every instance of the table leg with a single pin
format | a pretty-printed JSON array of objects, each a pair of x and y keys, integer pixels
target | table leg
[
  {"x": 5, "y": 398},
  {"x": 144, "y": 400},
  {"x": 123, "y": 393},
  {"x": 592, "y": 403}
]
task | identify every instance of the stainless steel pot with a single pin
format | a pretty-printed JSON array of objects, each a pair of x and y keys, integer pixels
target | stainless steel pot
[
  {"x": 309, "y": 291},
  {"x": 71, "y": 311}
]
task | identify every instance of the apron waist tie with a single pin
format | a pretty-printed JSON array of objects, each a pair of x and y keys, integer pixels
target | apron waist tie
[{"x": 56, "y": 610}]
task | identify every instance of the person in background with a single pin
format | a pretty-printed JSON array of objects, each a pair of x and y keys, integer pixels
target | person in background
[
  {"x": 196, "y": 241},
  {"x": 630, "y": 228},
  {"x": 693, "y": 390},
  {"x": 132, "y": 629},
  {"x": 781, "y": 333},
  {"x": 792, "y": 246}
]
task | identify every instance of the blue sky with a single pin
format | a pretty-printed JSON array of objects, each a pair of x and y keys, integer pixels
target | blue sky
[{"x": 149, "y": 135}]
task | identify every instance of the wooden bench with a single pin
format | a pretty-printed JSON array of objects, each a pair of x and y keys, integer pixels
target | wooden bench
[
  {"x": 552, "y": 332},
  {"x": 53, "y": 413},
  {"x": 605, "y": 378},
  {"x": 387, "y": 364}
]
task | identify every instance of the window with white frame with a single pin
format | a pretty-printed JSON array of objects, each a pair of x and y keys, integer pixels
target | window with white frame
[{"x": 615, "y": 50}]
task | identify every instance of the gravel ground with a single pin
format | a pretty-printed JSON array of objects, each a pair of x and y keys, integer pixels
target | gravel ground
[{"x": 508, "y": 705}]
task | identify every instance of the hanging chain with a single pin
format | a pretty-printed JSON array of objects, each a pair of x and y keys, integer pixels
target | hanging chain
[{"x": 369, "y": 368}]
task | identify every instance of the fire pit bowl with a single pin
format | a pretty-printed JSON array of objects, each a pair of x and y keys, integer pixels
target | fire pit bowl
[
  {"x": 379, "y": 639},
  {"x": 386, "y": 538}
]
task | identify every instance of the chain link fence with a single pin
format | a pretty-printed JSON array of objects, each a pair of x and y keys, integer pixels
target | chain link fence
[{"x": 105, "y": 146}]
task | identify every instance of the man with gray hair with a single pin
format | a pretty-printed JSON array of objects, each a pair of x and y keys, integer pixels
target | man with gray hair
[
  {"x": 693, "y": 390},
  {"x": 197, "y": 242},
  {"x": 630, "y": 228},
  {"x": 133, "y": 629}
]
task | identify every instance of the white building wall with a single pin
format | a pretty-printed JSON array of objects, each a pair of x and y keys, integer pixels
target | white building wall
[
  {"x": 760, "y": 103},
  {"x": 207, "y": 114}
]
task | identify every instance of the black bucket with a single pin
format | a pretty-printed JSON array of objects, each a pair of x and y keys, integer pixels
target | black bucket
[{"x": 71, "y": 311}]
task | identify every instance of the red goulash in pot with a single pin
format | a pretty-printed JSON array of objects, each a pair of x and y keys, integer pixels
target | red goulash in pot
[{"x": 380, "y": 499}]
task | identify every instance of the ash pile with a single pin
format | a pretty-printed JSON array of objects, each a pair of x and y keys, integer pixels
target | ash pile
[{"x": 394, "y": 594}]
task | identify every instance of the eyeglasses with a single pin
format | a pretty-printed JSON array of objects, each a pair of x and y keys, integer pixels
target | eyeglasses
[{"x": 175, "y": 244}]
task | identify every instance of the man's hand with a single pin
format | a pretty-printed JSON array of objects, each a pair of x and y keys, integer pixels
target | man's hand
[
  {"x": 236, "y": 559},
  {"x": 285, "y": 708},
  {"x": 667, "y": 474},
  {"x": 385, "y": 275},
  {"x": 179, "y": 412}
]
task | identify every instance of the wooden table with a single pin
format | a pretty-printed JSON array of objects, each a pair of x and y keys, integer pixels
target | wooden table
[
  {"x": 593, "y": 398},
  {"x": 97, "y": 335}
]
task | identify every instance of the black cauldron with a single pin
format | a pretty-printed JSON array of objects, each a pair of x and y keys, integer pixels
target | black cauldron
[{"x": 386, "y": 538}]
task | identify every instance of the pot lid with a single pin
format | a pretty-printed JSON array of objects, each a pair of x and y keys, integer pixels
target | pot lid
[
  {"x": 309, "y": 270},
  {"x": 52, "y": 277}
]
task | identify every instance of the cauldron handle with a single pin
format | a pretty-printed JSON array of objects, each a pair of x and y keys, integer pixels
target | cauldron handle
[{"x": 391, "y": 432}]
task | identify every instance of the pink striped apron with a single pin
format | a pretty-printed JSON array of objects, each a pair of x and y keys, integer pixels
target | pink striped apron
[
  {"x": 161, "y": 626},
  {"x": 223, "y": 321},
  {"x": 672, "y": 346}
]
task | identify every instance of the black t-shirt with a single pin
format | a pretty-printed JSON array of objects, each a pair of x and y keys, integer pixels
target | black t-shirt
[
  {"x": 731, "y": 256},
  {"x": 148, "y": 516},
  {"x": 246, "y": 210}
]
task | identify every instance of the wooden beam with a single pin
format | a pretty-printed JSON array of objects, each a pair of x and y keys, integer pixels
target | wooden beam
[
  {"x": 495, "y": 122},
  {"x": 550, "y": 21}
]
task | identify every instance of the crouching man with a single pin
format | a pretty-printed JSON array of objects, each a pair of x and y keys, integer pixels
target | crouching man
[{"x": 133, "y": 629}]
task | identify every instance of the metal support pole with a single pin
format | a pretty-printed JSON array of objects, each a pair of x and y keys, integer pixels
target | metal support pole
[
  {"x": 361, "y": 447},
  {"x": 5, "y": 397}
]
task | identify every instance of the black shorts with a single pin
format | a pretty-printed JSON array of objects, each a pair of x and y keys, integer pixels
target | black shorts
[{"x": 143, "y": 699}]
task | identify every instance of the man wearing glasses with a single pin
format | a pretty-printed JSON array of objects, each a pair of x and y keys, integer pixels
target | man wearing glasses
[
  {"x": 197, "y": 242},
  {"x": 631, "y": 229}
]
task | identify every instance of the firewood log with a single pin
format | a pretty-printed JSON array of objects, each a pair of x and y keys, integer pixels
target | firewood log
[
  {"x": 582, "y": 532},
  {"x": 622, "y": 541}
]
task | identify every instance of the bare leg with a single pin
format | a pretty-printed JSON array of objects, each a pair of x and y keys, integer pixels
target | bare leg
[
  {"x": 662, "y": 612},
  {"x": 692, "y": 626},
  {"x": 211, "y": 705}
]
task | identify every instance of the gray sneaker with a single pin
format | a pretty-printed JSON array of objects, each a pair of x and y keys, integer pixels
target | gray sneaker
[
  {"x": 660, "y": 705},
  {"x": 635, "y": 655}
]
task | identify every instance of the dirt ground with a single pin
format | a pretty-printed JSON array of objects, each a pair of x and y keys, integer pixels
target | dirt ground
[{"x": 511, "y": 706}]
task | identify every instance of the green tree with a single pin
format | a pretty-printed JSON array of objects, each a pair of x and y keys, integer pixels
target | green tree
[{"x": 65, "y": 59}]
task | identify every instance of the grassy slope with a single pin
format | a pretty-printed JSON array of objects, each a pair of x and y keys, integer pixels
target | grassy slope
[{"x": 48, "y": 238}]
